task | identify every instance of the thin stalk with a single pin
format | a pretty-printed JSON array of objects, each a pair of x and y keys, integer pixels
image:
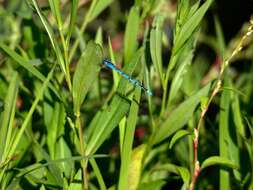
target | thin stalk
[
  {"x": 66, "y": 58},
  {"x": 165, "y": 89},
  {"x": 217, "y": 88},
  {"x": 82, "y": 151}
]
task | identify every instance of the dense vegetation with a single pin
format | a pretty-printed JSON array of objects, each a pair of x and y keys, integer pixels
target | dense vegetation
[{"x": 67, "y": 122}]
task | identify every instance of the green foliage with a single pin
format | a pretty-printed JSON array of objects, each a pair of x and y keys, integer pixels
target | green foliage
[
  {"x": 68, "y": 123},
  {"x": 86, "y": 70}
]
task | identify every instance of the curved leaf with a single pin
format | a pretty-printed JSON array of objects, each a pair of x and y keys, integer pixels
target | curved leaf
[
  {"x": 177, "y": 136},
  {"x": 179, "y": 170},
  {"x": 217, "y": 160}
]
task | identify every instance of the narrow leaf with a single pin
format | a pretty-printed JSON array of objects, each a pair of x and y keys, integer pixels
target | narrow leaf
[
  {"x": 156, "y": 45},
  {"x": 99, "y": 6},
  {"x": 130, "y": 39},
  {"x": 178, "y": 78},
  {"x": 224, "y": 138},
  {"x": 26, "y": 64},
  {"x": 136, "y": 167},
  {"x": 51, "y": 36},
  {"x": 63, "y": 151},
  {"x": 7, "y": 116},
  {"x": 56, "y": 128},
  {"x": 55, "y": 8},
  {"x": 180, "y": 116},
  {"x": 86, "y": 72},
  {"x": 30, "y": 113},
  {"x": 74, "y": 7},
  {"x": 191, "y": 24},
  {"x": 98, "y": 174},
  {"x": 129, "y": 139},
  {"x": 220, "y": 38},
  {"x": 107, "y": 121}
]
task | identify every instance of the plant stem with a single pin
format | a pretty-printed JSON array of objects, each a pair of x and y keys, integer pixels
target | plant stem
[
  {"x": 82, "y": 151},
  {"x": 238, "y": 48}
]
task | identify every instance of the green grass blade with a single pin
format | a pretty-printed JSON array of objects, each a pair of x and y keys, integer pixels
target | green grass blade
[
  {"x": 29, "y": 67},
  {"x": 55, "y": 129},
  {"x": 128, "y": 140},
  {"x": 180, "y": 116},
  {"x": 130, "y": 38},
  {"x": 37, "y": 166},
  {"x": 99, "y": 36},
  {"x": 116, "y": 77},
  {"x": 30, "y": 113},
  {"x": 55, "y": 8},
  {"x": 224, "y": 135},
  {"x": 63, "y": 151},
  {"x": 191, "y": 24},
  {"x": 7, "y": 116},
  {"x": 156, "y": 45},
  {"x": 86, "y": 72},
  {"x": 182, "y": 13},
  {"x": 108, "y": 120},
  {"x": 98, "y": 174},
  {"x": 178, "y": 78},
  {"x": 122, "y": 88},
  {"x": 74, "y": 8},
  {"x": 51, "y": 36},
  {"x": 99, "y": 6},
  {"x": 237, "y": 116},
  {"x": 220, "y": 39},
  {"x": 135, "y": 167}
]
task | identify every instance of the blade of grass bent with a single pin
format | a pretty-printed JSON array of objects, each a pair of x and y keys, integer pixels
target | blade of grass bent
[{"x": 29, "y": 115}]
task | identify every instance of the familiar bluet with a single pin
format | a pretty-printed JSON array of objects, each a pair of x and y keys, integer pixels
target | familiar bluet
[{"x": 135, "y": 82}]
